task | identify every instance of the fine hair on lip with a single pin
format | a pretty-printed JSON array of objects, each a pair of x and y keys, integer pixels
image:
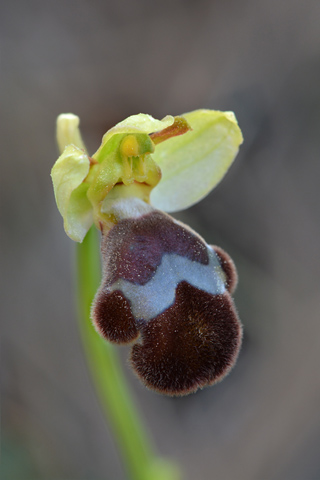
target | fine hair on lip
[{"x": 168, "y": 292}]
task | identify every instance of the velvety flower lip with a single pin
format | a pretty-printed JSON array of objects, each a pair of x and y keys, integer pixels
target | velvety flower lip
[
  {"x": 166, "y": 290},
  {"x": 163, "y": 289}
]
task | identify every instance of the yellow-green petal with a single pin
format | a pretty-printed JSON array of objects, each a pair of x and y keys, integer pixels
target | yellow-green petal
[
  {"x": 68, "y": 131},
  {"x": 141, "y": 123},
  {"x": 67, "y": 174},
  {"x": 79, "y": 217},
  {"x": 194, "y": 163}
]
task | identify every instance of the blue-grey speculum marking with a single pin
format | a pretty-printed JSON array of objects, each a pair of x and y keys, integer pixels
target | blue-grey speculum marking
[{"x": 158, "y": 294}]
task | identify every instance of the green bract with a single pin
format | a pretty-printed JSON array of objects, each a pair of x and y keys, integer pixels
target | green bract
[{"x": 192, "y": 152}]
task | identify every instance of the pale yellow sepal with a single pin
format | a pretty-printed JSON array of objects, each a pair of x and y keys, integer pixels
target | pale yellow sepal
[
  {"x": 141, "y": 123},
  {"x": 68, "y": 173},
  {"x": 68, "y": 131},
  {"x": 194, "y": 163}
]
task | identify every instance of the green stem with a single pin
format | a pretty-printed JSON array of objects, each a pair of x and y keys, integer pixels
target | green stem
[{"x": 108, "y": 377}]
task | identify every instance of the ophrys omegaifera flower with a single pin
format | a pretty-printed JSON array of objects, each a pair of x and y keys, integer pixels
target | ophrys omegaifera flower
[{"x": 163, "y": 288}]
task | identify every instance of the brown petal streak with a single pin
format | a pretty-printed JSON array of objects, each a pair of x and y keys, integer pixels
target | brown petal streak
[{"x": 179, "y": 127}]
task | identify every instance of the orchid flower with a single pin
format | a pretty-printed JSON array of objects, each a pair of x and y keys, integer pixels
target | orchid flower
[{"x": 163, "y": 289}]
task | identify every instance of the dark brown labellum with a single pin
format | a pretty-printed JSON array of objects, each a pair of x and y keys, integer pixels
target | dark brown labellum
[{"x": 166, "y": 290}]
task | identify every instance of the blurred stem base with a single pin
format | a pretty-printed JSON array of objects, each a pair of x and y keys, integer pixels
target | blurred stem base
[{"x": 111, "y": 385}]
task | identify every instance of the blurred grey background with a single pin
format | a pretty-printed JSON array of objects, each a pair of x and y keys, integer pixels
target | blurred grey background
[{"x": 105, "y": 60}]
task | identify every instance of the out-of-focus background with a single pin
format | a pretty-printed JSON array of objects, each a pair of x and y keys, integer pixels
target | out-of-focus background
[{"x": 105, "y": 60}]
